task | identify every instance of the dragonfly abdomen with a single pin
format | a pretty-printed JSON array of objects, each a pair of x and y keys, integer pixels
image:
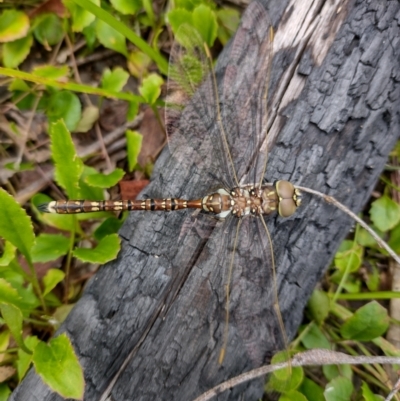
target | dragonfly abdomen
[{"x": 87, "y": 206}]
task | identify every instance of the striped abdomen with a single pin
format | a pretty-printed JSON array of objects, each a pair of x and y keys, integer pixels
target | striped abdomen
[{"x": 86, "y": 206}]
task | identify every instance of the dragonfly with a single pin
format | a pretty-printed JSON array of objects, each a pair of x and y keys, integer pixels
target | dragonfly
[{"x": 232, "y": 101}]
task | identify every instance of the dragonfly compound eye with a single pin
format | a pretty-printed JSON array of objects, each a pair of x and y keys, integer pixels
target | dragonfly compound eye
[{"x": 289, "y": 198}]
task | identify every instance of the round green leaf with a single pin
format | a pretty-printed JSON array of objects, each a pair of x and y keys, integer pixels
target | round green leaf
[
  {"x": 151, "y": 88},
  {"x": 127, "y": 7},
  {"x": 177, "y": 17},
  {"x": 58, "y": 366},
  {"x": 65, "y": 105},
  {"x": 385, "y": 213},
  {"x": 315, "y": 338},
  {"x": 319, "y": 306},
  {"x": 106, "y": 250},
  {"x": 339, "y": 389},
  {"x": 312, "y": 390},
  {"x": 110, "y": 38},
  {"x": 332, "y": 371},
  {"x": 80, "y": 17},
  {"x": 349, "y": 257},
  {"x": 15, "y": 226},
  {"x": 14, "y": 53},
  {"x": 49, "y": 247},
  {"x": 48, "y": 29},
  {"x": 114, "y": 80},
  {"x": 13, "y": 25},
  {"x": 394, "y": 241},
  {"x": 368, "y": 322},
  {"x": 205, "y": 21},
  {"x": 68, "y": 166}
]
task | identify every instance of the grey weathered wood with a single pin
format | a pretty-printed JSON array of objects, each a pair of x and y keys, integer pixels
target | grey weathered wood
[{"x": 335, "y": 84}]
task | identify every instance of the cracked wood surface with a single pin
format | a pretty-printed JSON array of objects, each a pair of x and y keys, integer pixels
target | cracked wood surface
[{"x": 149, "y": 323}]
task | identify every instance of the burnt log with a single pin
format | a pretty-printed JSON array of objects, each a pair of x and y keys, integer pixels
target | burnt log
[{"x": 150, "y": 324}]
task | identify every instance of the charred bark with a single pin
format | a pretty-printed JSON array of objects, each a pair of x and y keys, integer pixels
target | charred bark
[{"x": 149, "y": 324}]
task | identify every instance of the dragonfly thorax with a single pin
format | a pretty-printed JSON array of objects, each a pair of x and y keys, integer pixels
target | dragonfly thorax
[{"x": 251, "y": 200}]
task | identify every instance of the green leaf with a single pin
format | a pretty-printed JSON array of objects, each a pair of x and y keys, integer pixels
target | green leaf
[
  {"x": 368, "y": 395},
  {"x": 368, "y": 322},
  {"x": 49, "y": 247},
  {"x": 87, "y": 191},
  {"x": 109, "y": 226},
  {"x": 8, "y": 254},
  {"x": 51, "y": 279},
  {"x": 80, "y": 17},
  {"x": 4, "y": 391},
  {"x": 16, "y": 294},
  {"x": 16, "y": 227},
  {"x": 89, "y": 116},
  {"x": 65, "y": 105},
  {"x": 58, "y": 366},
  {"x": 339, "y": 389},
  {"x": 13, "y": 318},
  {"x": 14, "y": 53},
  {"x": 364, "y": 238},
  {"x": 285, "y": 380},
  {"x": 177, "y": 17},
  {"x": 68, "y": 166},
  {"x": 385, "y": 213},
  {"x": 394, "y": 241},
  {"x": 134, "y": 144},
  {"x": 333, "y": 371},
  {"x": 315, "y": 338},
  {"x": 127, "y": 7},
  {"x": 25, "y": 359},
  {"x": 228, "y": 22},
  {"x": 349, "y": 257},
  {"x": 312, "y": 390},
  {"x": 52, "y": 72},
  {"x": 133, "y": 109},
  {"x": 106, "y": 250},
  {"x": 13, "y": 25},
  {"x": 90, "y": 36},
  {"x": 319, "y": 306},
  {"x": 138, "y": 63},
  {"x": 48, "y": 29},
  {"x": 105, "y": 180},
  {"x": 110, "y": 38},
  {"x": 114, "y": 80},
  {"x": 205, "y": 21},
  {"x": 293, "y": 395},
  {"x": 151, "y": 88}
]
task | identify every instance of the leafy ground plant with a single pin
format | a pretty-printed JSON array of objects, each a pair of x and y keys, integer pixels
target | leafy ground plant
[
  {"x": 45, "y": 259},
  {"x": 33, "y": 302}
]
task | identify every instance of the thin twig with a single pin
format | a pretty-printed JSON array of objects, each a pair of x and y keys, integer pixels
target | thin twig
[
  {"x": 332, "y": 200},
  {"x": 308, "y": 358}
]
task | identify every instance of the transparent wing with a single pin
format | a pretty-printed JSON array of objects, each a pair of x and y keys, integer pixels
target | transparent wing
[
  {"x": 191, "y": 84},
  {"x": 244, "y": 77}
]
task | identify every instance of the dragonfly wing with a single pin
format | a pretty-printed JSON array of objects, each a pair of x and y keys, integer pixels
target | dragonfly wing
[
  {"x": 245, "y": 75},
  {"x": 191, "y": 84}
]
